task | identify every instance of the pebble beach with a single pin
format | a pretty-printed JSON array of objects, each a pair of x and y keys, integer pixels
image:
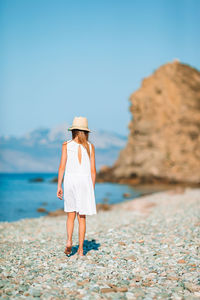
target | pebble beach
[{"x": 146, "y": 248}]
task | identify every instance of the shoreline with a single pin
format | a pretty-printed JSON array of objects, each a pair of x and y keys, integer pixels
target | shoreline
[
  {"x": 143, "y": 189},
  {"x": 141, "y": 203},
  {"x": 141, "y": 181},
  {"x": 106, "y": 206}
]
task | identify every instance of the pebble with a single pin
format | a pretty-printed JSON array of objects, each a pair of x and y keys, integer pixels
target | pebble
[{"x": 129, "y": 255}]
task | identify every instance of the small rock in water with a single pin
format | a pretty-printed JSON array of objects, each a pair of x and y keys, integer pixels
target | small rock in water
[
  {"x": 37, "y": 179},
  {"x": 126, "y": 195},
  {"x": 41, "y": 209}
]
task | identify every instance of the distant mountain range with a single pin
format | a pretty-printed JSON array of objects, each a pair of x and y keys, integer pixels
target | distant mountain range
[{"x": 40, "y": 149}]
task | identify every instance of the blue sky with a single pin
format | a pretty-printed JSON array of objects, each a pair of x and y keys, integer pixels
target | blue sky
[{"x": 60, "y": 59}]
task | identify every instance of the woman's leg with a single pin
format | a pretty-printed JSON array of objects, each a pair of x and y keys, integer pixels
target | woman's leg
[
  {"x": 70, "y": 226},
  {"x": 82, "y": 229}
]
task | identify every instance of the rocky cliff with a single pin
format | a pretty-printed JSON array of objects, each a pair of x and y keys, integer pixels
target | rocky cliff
[{"x": 164, "y": 138}]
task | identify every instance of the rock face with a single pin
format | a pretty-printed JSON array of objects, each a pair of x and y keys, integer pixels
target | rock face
[{"x": 164, "y": 138}]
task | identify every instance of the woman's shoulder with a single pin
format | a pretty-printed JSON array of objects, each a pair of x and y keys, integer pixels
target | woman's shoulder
[{"x": 66, "y": 142}]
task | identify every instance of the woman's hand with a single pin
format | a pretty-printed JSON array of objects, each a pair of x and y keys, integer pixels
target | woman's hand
[{"x": 60, "y": 193}]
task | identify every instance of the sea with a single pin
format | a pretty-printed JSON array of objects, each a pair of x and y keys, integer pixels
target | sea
[{"x": 20, "y": 197}]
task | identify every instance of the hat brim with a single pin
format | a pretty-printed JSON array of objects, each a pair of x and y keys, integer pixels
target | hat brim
[{"x": 81, "y": 128}]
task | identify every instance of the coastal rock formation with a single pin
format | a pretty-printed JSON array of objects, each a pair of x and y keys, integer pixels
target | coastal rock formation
[{"x": 164, "y": 139}]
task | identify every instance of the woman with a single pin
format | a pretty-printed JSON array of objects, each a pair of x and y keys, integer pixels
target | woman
[{"x": 77, "y": 164}]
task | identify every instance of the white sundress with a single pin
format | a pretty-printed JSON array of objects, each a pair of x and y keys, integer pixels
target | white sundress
[{"x": 78, "y": 188}]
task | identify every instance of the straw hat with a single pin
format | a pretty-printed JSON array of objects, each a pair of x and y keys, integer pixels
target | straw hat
[{"x": 80, "y": 123}]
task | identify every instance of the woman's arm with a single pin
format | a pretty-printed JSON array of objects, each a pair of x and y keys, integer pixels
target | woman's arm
[
  {"x": 93, "y": 165},
  {"x": 61, "y": 170}
]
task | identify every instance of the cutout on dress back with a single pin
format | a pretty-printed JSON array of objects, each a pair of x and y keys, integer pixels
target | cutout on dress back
[{"x": 79, "y": 154}]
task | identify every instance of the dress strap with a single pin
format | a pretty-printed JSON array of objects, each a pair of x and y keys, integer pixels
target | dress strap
[{"x": 90, "y": 149}]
